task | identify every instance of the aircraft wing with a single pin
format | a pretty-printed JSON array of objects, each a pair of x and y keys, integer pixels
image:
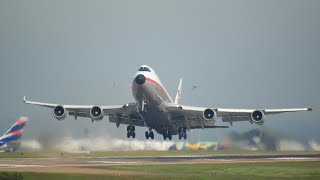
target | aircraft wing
[
  {"x": 119, "y": 114},
  {"x": 75, "y": 108},
  {"x": 189, "y": 117},
  {"x": 192, "y": 117},
  {"x": 232, "y": 115}
]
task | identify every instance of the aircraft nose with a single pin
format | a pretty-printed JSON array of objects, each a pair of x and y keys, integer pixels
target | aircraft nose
[{"x": 140, "y": 79}]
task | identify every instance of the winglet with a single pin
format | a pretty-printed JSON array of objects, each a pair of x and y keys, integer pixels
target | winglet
[
  {"x": 309, "y": 109},
  {"x": 24, "y": 99}
]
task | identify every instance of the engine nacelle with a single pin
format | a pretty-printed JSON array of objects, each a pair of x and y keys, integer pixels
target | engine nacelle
[
  {"x": 59, "y": 112},
  {"x": 210, "y": 115},
  {"x": 96, "y": 113},
  {"x": 257, "y": 117}
]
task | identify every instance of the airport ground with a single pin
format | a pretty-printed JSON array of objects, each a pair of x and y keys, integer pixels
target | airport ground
[{"x": 162, "y": 165}]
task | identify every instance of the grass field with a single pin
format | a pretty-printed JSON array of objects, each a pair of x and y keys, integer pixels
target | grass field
[
  {"x": 283, "y": 170},
  {"x": 253, "y": 170},
  {"x": 144, "y": 153},
  {"x": 297, "y": 170}
]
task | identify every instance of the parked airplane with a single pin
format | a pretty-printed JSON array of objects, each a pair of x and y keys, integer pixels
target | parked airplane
[
  {"x": 155, "y": 110},
  {"x": 8, "y": 142}
]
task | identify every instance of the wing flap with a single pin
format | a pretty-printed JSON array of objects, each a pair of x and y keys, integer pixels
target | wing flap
[
  {"x": 136, "y": 121},
  {"x": 235, "y": 118},
  {"x": 199, "y": 127}
]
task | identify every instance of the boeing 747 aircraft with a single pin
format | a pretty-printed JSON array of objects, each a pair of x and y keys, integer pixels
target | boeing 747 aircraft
[
  {"x": 8, "y": 142},
  {"x": 156, "y": 110}
]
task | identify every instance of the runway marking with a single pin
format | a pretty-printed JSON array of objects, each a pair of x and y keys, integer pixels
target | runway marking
[
  {"x": 18, "y": 165},
  {"x": 112, "y": 162},
  {"x": 290, "y": 158}
]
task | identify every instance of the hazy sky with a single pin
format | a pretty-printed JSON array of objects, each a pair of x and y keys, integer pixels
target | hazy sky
[{"x": 241, "y": 54}]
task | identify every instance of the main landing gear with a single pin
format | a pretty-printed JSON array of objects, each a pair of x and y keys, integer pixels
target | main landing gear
[
  {"x": 166, "y": 135},
  {"x": 182, "y": 133},
  {"x": 149, "y": 134},
  {"x": 131, "y": 131}
]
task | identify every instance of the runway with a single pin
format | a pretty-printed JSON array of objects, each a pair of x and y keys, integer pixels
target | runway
[{"x": 95, "y": 165}]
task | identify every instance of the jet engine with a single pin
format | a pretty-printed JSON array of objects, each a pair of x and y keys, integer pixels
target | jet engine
[
  {"x": 59, "y": 112},
  {"x": 210, "y": 115},
  {"x": 257, "y": 117},
  {"x": 96, "y": 113}
]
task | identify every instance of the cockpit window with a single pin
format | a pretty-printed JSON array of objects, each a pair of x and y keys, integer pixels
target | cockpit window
[{"x": 144, "y": 69}]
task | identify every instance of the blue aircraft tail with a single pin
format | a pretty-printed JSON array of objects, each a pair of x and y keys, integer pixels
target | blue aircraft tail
[
  {"x": 18, "y": 125},
  {"x": 13, "y": 133}
]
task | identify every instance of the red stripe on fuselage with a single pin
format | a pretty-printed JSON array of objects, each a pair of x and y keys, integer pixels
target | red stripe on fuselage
[{"x": 158, "y": 85}]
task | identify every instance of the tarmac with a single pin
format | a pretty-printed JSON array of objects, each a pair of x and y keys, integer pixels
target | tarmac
[{"x": 95, "y": 165}]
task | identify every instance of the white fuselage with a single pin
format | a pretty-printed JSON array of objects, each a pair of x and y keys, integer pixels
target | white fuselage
[{"x": 151, "y": 94}]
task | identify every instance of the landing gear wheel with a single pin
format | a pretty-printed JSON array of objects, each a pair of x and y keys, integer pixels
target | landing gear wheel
[
  {"x": 182, "y": 132},
  {"x": 149, "y": 134},
  {"x": 164, "y": 136},
  {"x": 131, "y": 131}
]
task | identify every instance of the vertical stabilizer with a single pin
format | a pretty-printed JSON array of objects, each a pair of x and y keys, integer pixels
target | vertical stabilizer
[
  {"x": 18, "y": 125},
  {"x": 178, "y": 95},
  {"x": 14, "y": 133}
]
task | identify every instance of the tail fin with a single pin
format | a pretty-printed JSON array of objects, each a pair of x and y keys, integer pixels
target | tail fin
[
  {"x": 178, "y": 95},
  {"x": 18, "y": 125}
]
